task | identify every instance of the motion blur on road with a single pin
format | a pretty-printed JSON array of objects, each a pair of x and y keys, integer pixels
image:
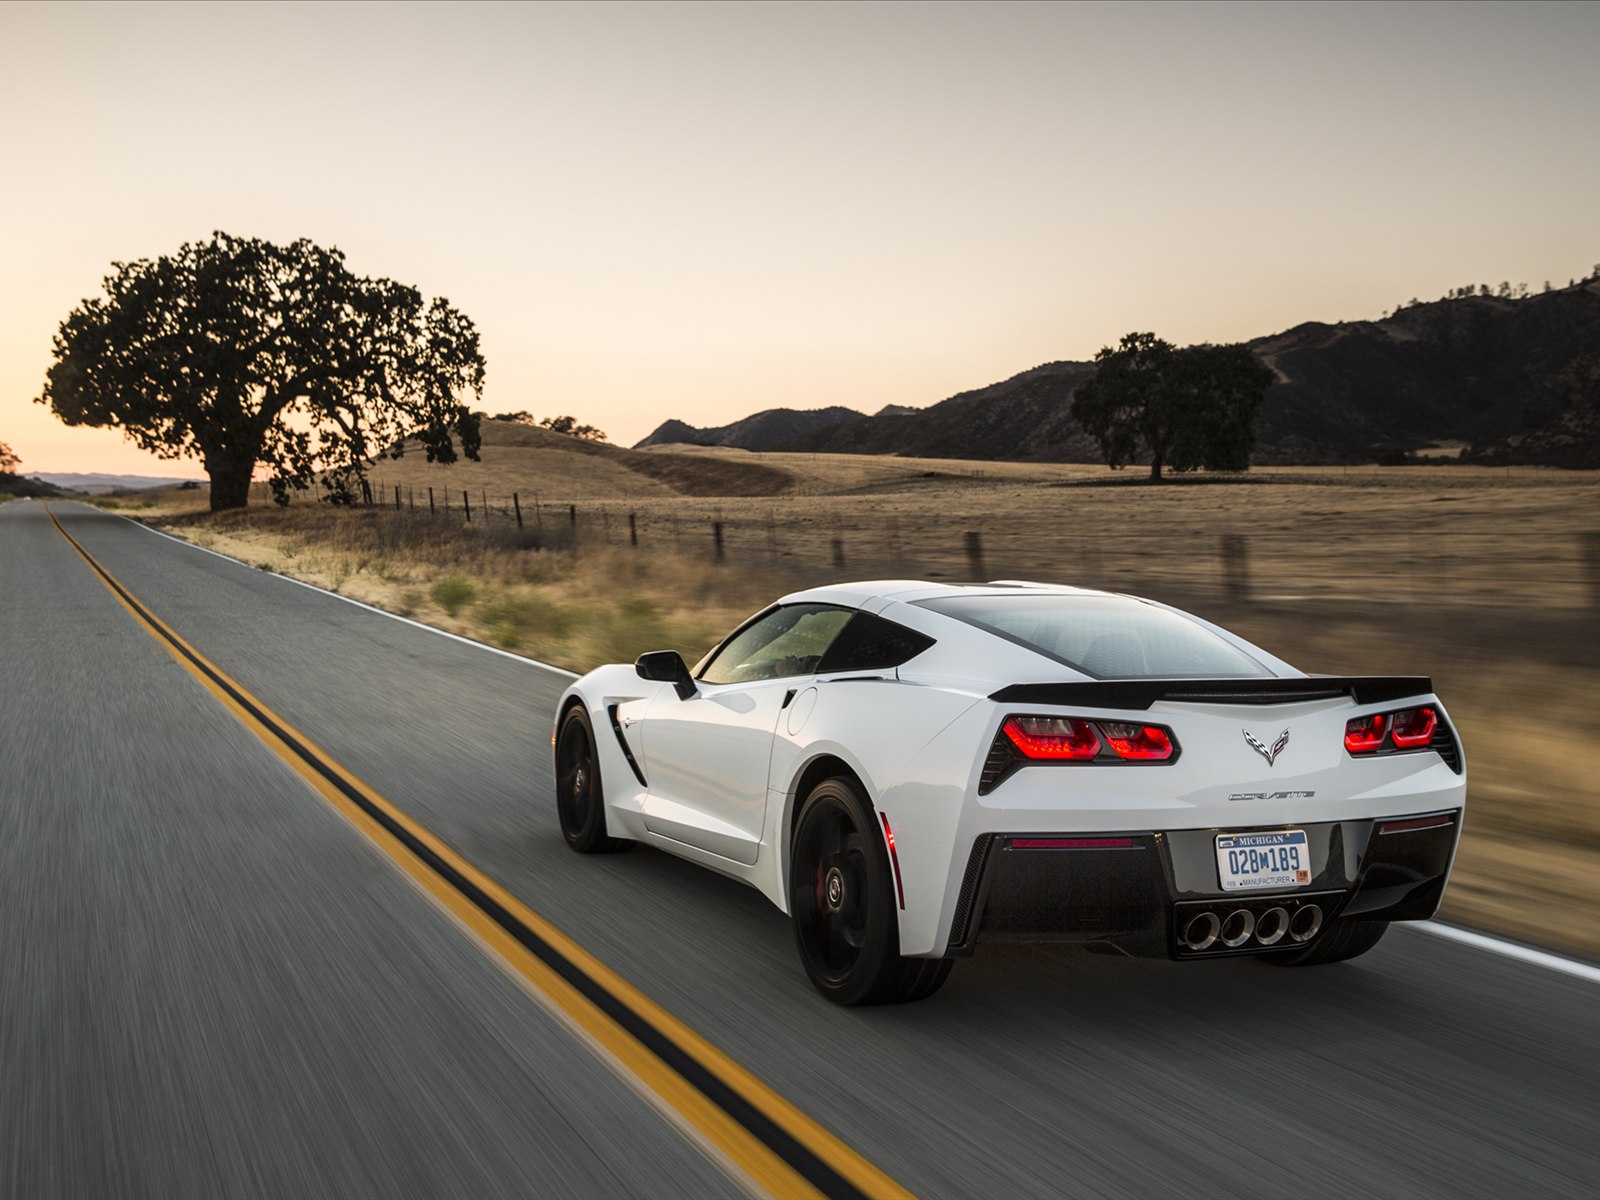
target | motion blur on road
[{"x": 217, "y": 982}]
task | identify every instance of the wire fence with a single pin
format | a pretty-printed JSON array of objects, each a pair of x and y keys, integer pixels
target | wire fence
[{"x": 1472, "y": 566}]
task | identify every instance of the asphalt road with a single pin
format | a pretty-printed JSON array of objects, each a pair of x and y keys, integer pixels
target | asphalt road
[{"x": 212, "y": 983}]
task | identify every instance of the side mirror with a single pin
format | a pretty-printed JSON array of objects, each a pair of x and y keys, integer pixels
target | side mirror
[{"x": 666, "y": 666}]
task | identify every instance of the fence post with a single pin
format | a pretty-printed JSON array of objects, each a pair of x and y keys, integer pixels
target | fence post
[
  {"x": 430, "y": 501},
  {"x": 485, "y": 494},
  {"x": 397, "y": 497},
  {"x": 1236, "y": 568},
  {"x": 572, "y": 516},
  {"x": 517, "y": 505},
  {"x": 633, "y": 530},
  {"x": 838, "y": 554},
  {"x": 975, "y": 564},
  {"x": 1591, "y": 554},
  {"x": 411, "y": 498},
  {"x": 466, "y": 503},
  {"x": 716, "y": 537},
  {"x": 366, "y": 493}
]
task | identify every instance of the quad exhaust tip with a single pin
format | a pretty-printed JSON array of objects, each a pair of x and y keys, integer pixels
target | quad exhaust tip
[
  {"x": 1201, "y": 931},
  {"x": 1205, "y": 930},
  {"x": 1304, "y": 924},
  {"x": 1271, "y": 926},
  {"x": 1237, "y": 928}
]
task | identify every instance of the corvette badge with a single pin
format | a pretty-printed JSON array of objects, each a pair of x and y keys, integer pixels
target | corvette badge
[{"x": 1260, "y": 747}]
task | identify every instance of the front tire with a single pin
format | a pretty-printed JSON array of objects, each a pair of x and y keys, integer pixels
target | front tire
[
  {"x": 580, "y": 800},
  {"x": 842, "y": 899},
  {"x": 1340, "y": 941}
]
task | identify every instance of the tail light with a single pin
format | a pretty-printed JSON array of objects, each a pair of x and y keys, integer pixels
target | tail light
[
  {"x": 1024, "y": 739},
  {"x": 1413, "y": 728},
  {"x": 1057, "y": 739},
  {"x": 1365, "y": 734},
  {"x": 1149, "y": 743},
  {"x": 1406, "y": 729}
]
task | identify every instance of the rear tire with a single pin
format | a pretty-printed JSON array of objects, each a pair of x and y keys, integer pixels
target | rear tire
[
  {"x": 580, "y": 798},
  {"x": 1340, "y": 941},
  {"x": 842, "y": 899}
]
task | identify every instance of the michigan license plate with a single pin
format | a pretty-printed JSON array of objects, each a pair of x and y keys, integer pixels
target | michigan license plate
[{"x": 1249, "y": 862}]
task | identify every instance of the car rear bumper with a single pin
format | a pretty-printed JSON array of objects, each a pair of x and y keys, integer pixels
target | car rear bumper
[{"x": 1140, "y": 890}]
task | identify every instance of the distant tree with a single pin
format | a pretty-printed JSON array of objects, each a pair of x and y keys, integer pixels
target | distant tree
[
  {"x": 1184, "y": 408},
  {"x": 1547, "y": 286},
  {"x": 1483, "y": 289},
  {"x": 521, "y": 417},
  {"x": 9, "y": 462},
  {"x": 244, "y": 354},
  {"x": 570, "y": 427}
]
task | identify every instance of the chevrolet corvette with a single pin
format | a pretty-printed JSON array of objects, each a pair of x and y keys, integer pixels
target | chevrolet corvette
[{"x": 908, "y": 769}]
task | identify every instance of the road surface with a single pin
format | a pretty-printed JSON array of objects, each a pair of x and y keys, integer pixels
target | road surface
[{"x": 216, "y": 982}]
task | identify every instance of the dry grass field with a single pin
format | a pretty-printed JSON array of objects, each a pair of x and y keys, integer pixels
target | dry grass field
[{"x": 1485, "y": 579}]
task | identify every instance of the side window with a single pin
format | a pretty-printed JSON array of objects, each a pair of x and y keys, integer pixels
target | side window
[
  {"x": 787, "y": 641},
  {"x": 871, "y": 643}
]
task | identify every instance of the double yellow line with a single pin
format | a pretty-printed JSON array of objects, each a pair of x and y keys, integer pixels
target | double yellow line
[{"x": 771, "y": 1142}]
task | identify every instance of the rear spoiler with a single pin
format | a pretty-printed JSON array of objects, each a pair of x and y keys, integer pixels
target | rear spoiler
[{"x": 1142, "y": 693}]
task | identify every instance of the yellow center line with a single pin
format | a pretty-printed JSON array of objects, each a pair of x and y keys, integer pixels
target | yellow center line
[{"x": 774, "y": 1144}]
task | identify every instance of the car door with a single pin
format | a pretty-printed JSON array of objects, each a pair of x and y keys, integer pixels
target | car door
[{"x": 707, "y": 757}]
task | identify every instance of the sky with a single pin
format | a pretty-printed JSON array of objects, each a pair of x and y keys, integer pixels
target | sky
[{"x": 703, "y": 210}]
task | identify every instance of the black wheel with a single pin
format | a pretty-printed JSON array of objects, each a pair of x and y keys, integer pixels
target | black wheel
[
  {"x": 1341, "y": 940},
  {"x": 578, "y": 796},
  {"x": 842, "y": 900}
]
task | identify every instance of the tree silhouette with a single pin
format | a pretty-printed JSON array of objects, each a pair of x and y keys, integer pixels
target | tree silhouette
[
  {"x": 570, "y": 427},
  {"x": 9, "y": 462},
  {"x": 243, "y": 354},
  {"x": 1186, "y": 408}
]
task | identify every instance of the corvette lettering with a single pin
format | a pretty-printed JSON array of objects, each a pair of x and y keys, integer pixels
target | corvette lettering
[{"x": 1272, "y": 795}]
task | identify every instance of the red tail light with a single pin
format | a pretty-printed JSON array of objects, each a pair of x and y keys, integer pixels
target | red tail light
[
  {"x": 1363, "y": 735},
  {"x": 1414, "y": 728},
  {"x": 1137, "y": 741},
  {"x": 1407, "y": 729},
  {"x": 1059, "y": 739}
]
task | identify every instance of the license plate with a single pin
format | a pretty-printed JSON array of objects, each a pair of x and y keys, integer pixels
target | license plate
[{"x": 1249, "y": 862}]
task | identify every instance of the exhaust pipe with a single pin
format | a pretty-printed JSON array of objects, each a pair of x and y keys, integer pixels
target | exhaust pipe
[
  {"x": 1271, "y": 926},
  {"x": 1201, "y": 931},
  {"x": 1236, "y": 930},
  {"x": 1304, "y": 924}
]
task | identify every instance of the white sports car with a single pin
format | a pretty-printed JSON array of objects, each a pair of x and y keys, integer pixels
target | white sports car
[{"x": 910, "y": 768}]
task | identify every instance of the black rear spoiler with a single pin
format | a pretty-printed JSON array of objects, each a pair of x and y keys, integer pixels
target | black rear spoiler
[{"x": 1142, "y": 693}]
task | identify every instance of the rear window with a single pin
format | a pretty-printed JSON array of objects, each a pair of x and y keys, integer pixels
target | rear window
[{"x": 1107, "y": 637}]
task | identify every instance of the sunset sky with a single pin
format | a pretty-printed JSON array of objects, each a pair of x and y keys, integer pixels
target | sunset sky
[{"x": 699, "y": 211}]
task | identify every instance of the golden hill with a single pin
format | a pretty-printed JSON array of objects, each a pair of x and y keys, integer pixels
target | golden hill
[{"x": 523, "y": 459}]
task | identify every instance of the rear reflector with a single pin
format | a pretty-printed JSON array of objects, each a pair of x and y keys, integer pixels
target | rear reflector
[
  {"x": 1417, "y": 824},
  {"x": 894, "y": 857},
  {"x": 1071, "y": 843}
]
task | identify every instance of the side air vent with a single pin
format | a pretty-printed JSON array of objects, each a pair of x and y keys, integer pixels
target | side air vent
[{"x": 1444, "y": 742}]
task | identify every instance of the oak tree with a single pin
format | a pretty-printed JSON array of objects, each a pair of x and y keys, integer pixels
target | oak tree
[
  {"x": 9, "y": 462},
  {"x": 247, "y": 354},
  {"x": 1186, "y": 409}
]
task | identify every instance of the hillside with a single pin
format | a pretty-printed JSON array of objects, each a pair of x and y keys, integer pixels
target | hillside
[
  {"x": 1517, "y": 379},
  {"x": 24, "y": 485},
  {"x": 525, "y": 459},
  {"x": 1026, "y": 417},
  {"x": 765, "y": 430}
]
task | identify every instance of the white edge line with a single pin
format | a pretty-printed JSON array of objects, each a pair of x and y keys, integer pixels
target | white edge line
[
  {"x": 1480, "y": 941},
  {"x": 455, "y": 637},
  {"x": 1527, "y": 954}
]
